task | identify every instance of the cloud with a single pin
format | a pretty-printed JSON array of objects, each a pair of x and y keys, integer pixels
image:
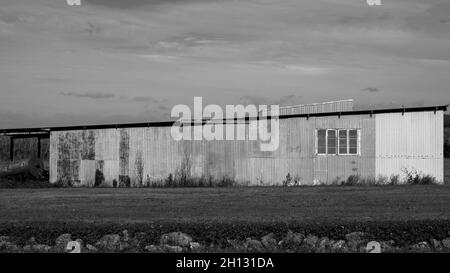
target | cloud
[
  {"x": 371, "y": 89},
  {"x": 129, "y": 4},
  {"x": 101, "y": 95},
  {"x": 254, "y": 99},
  {"x": 258, "y": 50},
  {"x": 123, "y": 4},
  {"x": 161, "y": 58},
  {"x": 93, "y": 95},
  {"x": 190, "y": 39},
  {"x": 18, "y": 119},
  {"x": 8, "y": 17},
  {"x": 289, "y": 100},
  {"x": 286, "y": 100},
  {"x": 388, "y": 105},
  {"x": 92, "y": 28},
  {"x": 146, "y": 99},
  {"x": 307, "y": 70}
]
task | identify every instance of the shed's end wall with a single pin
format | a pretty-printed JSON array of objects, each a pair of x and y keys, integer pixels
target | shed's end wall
[{"x": 410, "y": 142}]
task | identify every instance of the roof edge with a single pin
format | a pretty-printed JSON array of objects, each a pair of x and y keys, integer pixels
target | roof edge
[{"x": 170, "y": 123}]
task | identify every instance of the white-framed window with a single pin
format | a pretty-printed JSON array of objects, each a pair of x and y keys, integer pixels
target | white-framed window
[{"x": 338, "y": 141}]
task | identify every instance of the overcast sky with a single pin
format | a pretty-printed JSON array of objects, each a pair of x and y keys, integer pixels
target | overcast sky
[{"x": 129, "y": 61}]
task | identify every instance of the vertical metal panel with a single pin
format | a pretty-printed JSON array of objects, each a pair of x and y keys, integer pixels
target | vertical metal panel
[
  {"x": 136, "y": 161},
  {"x": 68, "y": 157},
  {"x": 124, "y": 156},
  {"x": 54, "y": 154},
  {"x": 161, "y": 154},
  {"x": 410, "y": 141},
  {"x": 88, "y": 145},
  {"x": 107, "y": 144},
  {"x": 111, "y": 172},
  {"x": 87, "y": 172}
]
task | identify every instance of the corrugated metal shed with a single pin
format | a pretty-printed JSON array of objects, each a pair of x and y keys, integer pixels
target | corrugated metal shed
[{"x": 390, "y": 140}]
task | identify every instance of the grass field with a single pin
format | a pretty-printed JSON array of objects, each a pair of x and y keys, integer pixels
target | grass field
[
  {"x": 299, "y": 204},
  {"x": 257, "y": 204},
  {"x": 406, "y": 214}
]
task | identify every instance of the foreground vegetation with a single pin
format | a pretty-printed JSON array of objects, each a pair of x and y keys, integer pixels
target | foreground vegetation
[
  {"x": 413, "y": 218},
  {"x": 394, "y": 236}
]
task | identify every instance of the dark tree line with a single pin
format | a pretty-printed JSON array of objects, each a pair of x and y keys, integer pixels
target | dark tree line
[{"x": 446, "y": 148}]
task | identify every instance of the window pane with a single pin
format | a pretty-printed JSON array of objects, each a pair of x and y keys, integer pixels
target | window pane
[
  {"x": 343, "y": 141},
  {"x": 332, "y": 142},
  {"x": 321, "y": 142},
  {"x": 353, "y": 141}
]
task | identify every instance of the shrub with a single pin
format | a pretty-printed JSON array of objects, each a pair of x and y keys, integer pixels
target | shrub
[
  {"x": 183, "y": 173},
  {"x": 352, "y": 180},
  {"x": 99, "y": 178},
  {"x": 427, "y": 180},
  {"x": 337, "y": 181},
  {"x": 287, "y": 181},
  {"x": 382, "y": 180},
  {"x": 124, "y": 181},
  {"x": 203, "y": 181},
  {"x": 64, "y": 183},
  {"x": 413, "y": 177},
  {"x": 394, "y": 179},
  {"x": 226, "y": 182},
  {"x": 169, "y": 180},
  {"x": 371, "y": 181}
]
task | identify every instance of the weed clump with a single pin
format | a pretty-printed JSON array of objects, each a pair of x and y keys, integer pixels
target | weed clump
[
  {"x": 289, "y": 181},
  {"x": 413, "y": 177}
]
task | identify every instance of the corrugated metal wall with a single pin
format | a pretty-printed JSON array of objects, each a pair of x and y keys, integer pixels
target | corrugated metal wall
[
  {"x": 410, "y": 140},
  {"x": 150, "y": 154},
  {"x": 329, "y": 168},
  {"x": 139, "y": 155}
]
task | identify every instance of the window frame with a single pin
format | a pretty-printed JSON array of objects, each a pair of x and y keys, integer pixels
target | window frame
[
  {"x": 338, "y": 152},
  {"x": 347, "y": 140},
  {"x": 358, "y": 140},
  {"x": 337, "y": 139},
  {"x": 317, "y": 142}
]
